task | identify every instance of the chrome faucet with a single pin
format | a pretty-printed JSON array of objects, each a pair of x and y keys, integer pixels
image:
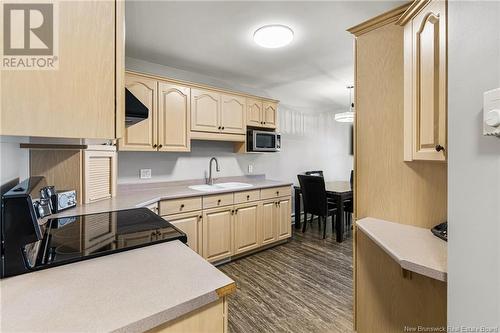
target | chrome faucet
[{"x": 210, "y": 180}]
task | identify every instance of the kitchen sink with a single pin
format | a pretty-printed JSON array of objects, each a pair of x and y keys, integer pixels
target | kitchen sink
[{"x": 220, "y": 186}]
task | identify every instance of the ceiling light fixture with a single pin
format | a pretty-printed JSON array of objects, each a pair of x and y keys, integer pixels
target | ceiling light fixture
[
  {"x": 347, "y": 117},
  {"x": 273, "y": 36}
]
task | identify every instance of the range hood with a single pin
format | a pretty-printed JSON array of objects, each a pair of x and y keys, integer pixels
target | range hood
[{"x": 135, "y": 111}]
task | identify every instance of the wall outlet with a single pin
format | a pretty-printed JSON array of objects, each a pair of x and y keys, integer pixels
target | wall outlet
[
  {"x": 250, "y": 168},
  {"x": 145, "y": 173}
]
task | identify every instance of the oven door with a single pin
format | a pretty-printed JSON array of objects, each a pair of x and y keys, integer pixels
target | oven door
[{"x": 264, "y": 141}]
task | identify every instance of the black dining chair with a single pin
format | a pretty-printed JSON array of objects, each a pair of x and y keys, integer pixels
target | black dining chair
[
  {"x": 316, "y": 201},
  {"x": 314, "y": 173}
]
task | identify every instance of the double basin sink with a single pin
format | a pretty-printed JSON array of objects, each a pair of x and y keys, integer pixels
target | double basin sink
[{"x": 220, "y": 187}]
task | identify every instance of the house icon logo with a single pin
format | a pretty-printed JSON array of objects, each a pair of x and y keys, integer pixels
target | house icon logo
[{"x": 29, "y": 36}]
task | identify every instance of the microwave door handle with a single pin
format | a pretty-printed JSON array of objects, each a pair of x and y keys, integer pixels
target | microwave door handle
[{"x": 255, "y": 140}]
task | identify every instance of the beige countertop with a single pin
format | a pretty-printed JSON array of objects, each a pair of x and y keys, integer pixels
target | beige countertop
[
  {"x": 130, "y": 291},
  {"x": 415, "y": 249},
  {"x": 144, "y": 194}
]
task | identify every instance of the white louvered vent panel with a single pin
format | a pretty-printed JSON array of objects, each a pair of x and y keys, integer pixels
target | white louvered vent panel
[{"x": 99, "y": 178}]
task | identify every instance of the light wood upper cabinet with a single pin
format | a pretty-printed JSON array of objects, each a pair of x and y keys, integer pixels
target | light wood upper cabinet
[
  {"x": 268, "y": 223},
  {"x": 217, "y": 233},
  {"x": 205, "y": 111},
  {"x": 246, "y": 227},
  {"x": 270, "y": 114},
  {"x": 77, "y": 100},
  {"x": 174, "y": 114},
  {"x": 190, "y": 224},
  {"x": 425, "y": 83},
  {"x": 232, "y": 114},
  {"x": 254, "y": 112},
  {"x": 284, "y": 219},
  {"x": 142, "y": 135}
]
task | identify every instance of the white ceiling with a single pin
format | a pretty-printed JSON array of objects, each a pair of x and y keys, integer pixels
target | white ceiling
[{"x": 215, "y": 39}]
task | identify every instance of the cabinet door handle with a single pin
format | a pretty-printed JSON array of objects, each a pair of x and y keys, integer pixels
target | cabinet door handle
[
  {"x": 439, "y": 148},
  {"x": 155, "y": 145},
  {"x": 223, "y": 127},
  {"x": 159, "y": 146},
  {"x": 200, "y": 217},
  {"x": 220, "y": 127}
]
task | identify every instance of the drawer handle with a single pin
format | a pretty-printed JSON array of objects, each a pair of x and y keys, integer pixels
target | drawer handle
[
  {"x": 218, "y": 201},
  {"x": 182, "y": 206},
  {"x": 277, "y": 192},
  {"x": 248, "y": 197}
]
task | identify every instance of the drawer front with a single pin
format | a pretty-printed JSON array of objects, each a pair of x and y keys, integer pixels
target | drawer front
[
  {"x": 176, "y": 206},
  {"x": 217, "y": 200},
  {"x": 275, "y": 192},
  {"x": 246, "y": 196}
]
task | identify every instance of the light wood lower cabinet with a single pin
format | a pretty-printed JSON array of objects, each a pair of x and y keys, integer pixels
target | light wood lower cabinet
[
  {"x": 217, "y": 233},
  {"x": 246, "y": 227},
  {"x": 210, "y": 318},
  {"x": 218, "y": 229},
  {"x": 284, "y": 218},
  {"x": 191, "y": 225},
  {"x": 268, "y": 223}
]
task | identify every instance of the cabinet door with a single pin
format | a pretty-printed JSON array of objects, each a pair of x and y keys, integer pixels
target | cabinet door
[
  {"x": 429, "y": 82},
  {"x": 190, "y": 224},
  {"x": 205, "y": 105},
  {"x": 254, "y": 112},
  {"x": 233, "y": 114},
  {"x": 217, "y": 228},
  {"x": 268, "y": 223},
  {"x": 76, "y": 100},
  {"x": 270, "y": 114},
  {"x": 284, "y": 219},
  {"x": 174, "y": 117},
  {"x": 246, "y": 227},
  {"x": 141, "y": 136}
]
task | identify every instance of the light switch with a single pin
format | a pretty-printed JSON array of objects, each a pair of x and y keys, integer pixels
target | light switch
[
  {"x": 145, "y": 173},
  {"x": 491, "y": 112}
]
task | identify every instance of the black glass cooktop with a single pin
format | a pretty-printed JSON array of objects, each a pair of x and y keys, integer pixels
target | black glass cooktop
[{"x": 75, "y": 238}]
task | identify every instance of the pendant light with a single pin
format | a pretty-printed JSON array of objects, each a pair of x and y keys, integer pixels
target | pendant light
[{"x": 347, "y": 117}]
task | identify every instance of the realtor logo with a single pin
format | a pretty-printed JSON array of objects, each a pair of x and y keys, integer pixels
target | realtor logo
[{"x": 29, "y": 36}]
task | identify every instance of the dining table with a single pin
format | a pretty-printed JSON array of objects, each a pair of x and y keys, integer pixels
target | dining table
[{"x": 339, "y": 192}]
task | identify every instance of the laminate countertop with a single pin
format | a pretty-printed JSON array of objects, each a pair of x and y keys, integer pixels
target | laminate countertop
[
  {"x": 131, "y": 291},
  {"x": 413, "y": 248},
  {"x": 144, "y": 194}
]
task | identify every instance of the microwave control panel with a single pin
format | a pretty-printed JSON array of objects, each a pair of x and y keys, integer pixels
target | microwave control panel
[{"x": 491, "y": 112}]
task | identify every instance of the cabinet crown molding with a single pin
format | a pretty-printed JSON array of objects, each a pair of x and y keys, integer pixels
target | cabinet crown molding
[
  {"x": 379, "y": 21},
  {"x": 411, "y": 11},
  {"x": 198, "y": 85}
]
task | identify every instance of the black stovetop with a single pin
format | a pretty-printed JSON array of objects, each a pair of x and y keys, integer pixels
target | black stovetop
[{"x": 76, "y": 238}]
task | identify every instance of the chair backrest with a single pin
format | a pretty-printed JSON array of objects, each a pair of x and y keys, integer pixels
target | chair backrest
[
  {"x": 314, "y": 173},
  {"x": 313, "y": 194}
]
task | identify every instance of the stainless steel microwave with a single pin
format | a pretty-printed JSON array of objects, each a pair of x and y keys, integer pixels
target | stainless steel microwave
[{"x": 263, "y": 141}]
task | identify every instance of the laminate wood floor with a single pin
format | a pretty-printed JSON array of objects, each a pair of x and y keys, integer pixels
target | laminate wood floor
[{"x": 304, "y": 285}]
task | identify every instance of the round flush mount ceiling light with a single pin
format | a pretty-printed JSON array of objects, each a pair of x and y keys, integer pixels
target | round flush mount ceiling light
[{"x": 273, "y": 36}]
